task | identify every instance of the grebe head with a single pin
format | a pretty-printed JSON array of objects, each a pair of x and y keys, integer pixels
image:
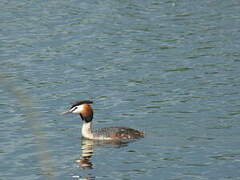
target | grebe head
[{"x": 83, "y": 108}]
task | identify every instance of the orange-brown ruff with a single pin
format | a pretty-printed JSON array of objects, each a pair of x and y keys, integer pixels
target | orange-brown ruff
[
  {"x": 110, "y": 133},
  {"x": 87, "y": 112}
]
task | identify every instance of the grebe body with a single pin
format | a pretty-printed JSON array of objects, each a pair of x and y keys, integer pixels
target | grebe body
[{"x": 110, "y": 133}]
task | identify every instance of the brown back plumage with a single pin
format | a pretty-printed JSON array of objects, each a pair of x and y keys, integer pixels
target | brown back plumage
[{"x": 119, "y": 133}]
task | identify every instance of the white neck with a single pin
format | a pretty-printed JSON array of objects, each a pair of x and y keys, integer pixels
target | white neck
[{"x": 87, "y": 130}]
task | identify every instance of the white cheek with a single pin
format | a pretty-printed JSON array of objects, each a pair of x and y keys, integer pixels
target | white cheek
[{"x": 78, "y": 110}]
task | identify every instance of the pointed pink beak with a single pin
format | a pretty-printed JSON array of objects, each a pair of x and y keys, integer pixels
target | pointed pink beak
[{"x": 66, "y": 112}]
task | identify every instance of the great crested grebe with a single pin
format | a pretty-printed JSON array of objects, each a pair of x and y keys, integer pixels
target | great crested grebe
[{"x": 110, "y": 133}]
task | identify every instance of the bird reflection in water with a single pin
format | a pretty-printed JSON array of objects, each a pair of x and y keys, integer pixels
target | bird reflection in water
[
  {"x": 87, "y": 150},
  {"x": 87, "y": 146}
]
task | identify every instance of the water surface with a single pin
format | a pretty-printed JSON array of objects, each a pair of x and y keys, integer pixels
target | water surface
[{"x": 169, "y": 68}]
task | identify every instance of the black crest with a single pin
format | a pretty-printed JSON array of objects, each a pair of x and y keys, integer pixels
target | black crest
[{"x": 81, "y": 102}]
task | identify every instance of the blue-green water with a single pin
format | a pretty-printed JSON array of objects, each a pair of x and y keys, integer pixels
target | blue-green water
[{"x": 169, "y": 68}]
